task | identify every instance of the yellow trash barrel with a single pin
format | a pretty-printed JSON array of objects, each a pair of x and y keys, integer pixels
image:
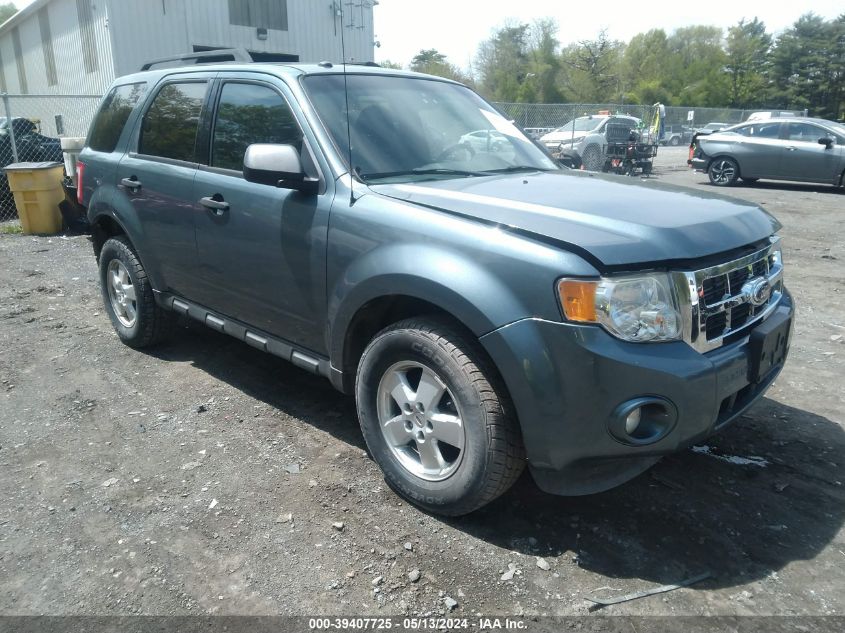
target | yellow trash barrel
[{"x": 37, "y": 188}]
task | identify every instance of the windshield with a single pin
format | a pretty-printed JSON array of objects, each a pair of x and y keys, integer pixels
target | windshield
[
  {"x": 404, "y": 128},
  {"x": 581, "y": 124},
  {"x": 837, "y": 127}
]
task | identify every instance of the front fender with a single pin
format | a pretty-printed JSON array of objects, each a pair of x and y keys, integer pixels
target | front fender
[{"x": 443, "y": 277}]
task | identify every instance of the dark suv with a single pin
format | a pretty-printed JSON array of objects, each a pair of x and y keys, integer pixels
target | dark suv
[{"x": 488, "y": 309}]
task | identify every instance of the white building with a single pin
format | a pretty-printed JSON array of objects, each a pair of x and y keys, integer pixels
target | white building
[{"x": 77, "y": 47}]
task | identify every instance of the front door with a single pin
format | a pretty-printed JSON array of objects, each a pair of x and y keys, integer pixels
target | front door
[
  {"x": 804, "y": 158},
  {"x": 157, "y": 177},
  {"x": 261, "y": 249}
]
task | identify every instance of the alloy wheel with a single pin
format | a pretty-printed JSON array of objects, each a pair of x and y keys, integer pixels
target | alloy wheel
[
  {"x": 421, "y": 421},
  {"x": 122, "y": 295}
]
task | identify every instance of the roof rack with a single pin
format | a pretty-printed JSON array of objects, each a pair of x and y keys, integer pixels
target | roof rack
[{"x": 221, "y": 55}]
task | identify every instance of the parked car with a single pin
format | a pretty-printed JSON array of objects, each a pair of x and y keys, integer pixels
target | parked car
[
  {"x": 676, "y": 135},
  {"x": 710, "y": 128},
  {"x": 799, "y": 149},
  {"x": 582, "y": 140},
  {"x": 773, "y": 114},
  {"x": 485, "y": 141},
  {"x": 487, "y": 310}
]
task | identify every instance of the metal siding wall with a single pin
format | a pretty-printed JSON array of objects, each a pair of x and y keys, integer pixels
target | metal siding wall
[
  {"x": 145, "y": 30},
  {"x": 311, "y": 31},
  {"x": 142, "y": 31},
  {"x": 67, "y": 49}
]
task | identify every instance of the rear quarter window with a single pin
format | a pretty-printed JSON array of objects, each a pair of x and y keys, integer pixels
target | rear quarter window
[{"x": 113, "y": 115}]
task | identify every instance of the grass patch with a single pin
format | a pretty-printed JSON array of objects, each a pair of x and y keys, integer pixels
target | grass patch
[{"x": 11, "y": 229}]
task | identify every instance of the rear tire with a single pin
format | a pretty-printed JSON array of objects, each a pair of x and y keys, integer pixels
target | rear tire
[
  {"x": 128, "y": 296},
  {"x": 723, "y": 172},
  {"x": 436, "y": 418},
  {"x": 674, "y": 141}
]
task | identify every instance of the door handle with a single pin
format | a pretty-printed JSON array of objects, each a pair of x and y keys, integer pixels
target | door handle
[
  {"x": 791, "y": 149},
  {"x": 131, "y": 183},
  {"x": 219, "y": 206}
]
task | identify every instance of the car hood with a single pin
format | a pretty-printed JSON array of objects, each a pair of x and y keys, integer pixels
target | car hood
[
  {"x": 618, "y": 221},
  {"x": 562, "y": 137}
]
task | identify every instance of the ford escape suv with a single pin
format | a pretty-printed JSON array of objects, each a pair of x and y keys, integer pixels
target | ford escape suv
[{"x": 487, "y": 309}]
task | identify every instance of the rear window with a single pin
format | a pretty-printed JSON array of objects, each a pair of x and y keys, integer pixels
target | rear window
[
  {"x": 169, "y": 128},
  {"x": 113, "y": 115}
]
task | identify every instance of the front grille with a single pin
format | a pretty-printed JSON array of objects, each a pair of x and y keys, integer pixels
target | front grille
[{"x": 725, "y": 306}]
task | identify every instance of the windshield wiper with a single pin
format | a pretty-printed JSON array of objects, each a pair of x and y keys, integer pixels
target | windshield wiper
[
  {"x": 423, "y": 172},
  {"x": 516, "y": 168}
]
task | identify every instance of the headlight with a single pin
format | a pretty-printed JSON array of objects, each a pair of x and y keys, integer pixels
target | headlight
[
  {"x": 637, "y": 309},
  {"x": 776, "y": 256}
]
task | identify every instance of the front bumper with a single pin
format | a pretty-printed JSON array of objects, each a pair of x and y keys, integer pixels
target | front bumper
[{"x": 569, "y": 381}]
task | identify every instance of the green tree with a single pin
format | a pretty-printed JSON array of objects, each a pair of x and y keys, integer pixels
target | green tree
[
  {"x": 502, "y": 63},
  {"x": 747, "y": 49},
  {"x": 643, "y": 68},
  {"x": 389, "y": 64},
  {"x": 433, "y": 62},
  {"x": 592, "y": 70},
  {"x": 695, "y": 67},
  {"x": 6, "y": 11},
  {"x": 808, "y": 66},
  {"x": 542, "y": 79}
]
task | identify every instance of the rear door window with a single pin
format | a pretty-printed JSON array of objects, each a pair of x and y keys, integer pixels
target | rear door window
[
  {"x": 759, "y": 130},
  {"x": 113, "y": 115},
  {"x": 170, "y": 125},
  {"x": 248, "y": 114}
]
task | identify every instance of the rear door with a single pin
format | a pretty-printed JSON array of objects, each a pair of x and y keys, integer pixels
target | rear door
[
  {"x": 157, "y": 176},
  {"x": 804, "y": 158},
  {"x": 262, "y": 255},
  {"x": 758, "y": 149}
]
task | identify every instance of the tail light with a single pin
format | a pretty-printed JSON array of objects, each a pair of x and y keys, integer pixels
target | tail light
[{"x": 80, "y": 175}]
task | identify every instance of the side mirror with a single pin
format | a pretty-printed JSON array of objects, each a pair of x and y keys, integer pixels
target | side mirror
[
  {"x": 277, "y": 166},
  {"x": 826, "y": 141}
]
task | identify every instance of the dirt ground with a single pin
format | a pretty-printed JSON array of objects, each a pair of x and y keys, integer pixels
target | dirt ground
[{"x": 205, "y": 478}]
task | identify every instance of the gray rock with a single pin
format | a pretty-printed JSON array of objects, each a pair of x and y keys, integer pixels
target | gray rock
[
  {"x": 450, "y": 603},
  {"x": 508, "y": 575},
  {"x": 414, "y": 575},
  {"x": 543, "y": 564},
  {"x": 338, "y": 525}
]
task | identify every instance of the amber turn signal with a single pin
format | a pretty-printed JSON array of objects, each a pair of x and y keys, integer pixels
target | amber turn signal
[{"x": 578, "y": 299}]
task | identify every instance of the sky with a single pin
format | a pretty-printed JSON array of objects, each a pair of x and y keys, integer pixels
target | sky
[{"x": 457, "y": 27}]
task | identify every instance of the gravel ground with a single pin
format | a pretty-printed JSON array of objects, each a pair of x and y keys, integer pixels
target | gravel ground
[{"x": 206, "y": 478}]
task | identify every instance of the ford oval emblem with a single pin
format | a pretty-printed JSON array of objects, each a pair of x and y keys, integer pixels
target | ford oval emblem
[{"x": 758, "y": 291}]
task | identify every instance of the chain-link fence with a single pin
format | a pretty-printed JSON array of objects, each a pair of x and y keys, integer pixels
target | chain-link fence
[
  {"x": 30, "y": 127},
  {"x": 541, "y": 118}
]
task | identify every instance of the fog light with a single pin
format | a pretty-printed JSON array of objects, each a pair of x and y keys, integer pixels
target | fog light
[
  {"x": 633, "y": 420},
  {"x": 643, "y": 421}
]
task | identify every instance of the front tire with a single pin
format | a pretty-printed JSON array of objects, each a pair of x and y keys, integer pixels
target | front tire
[
  {"x": 723, "y": 172},
  {"x": 436, "y": 418},
  {"x": 128, "y": 296}
]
